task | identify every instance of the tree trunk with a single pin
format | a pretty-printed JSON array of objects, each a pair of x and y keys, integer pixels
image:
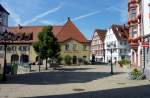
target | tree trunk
[
  {"x": 50, "y": 63},
  {"x": 46, "y": 65}
]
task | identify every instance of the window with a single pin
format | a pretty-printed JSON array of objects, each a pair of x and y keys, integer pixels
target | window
[
  {"x": 84, "y": 47},
  {"x": 133, "y": 31},
  {"x": 120, "y": 51},
  {"x": 9, "y": 48},
  {"x": 74, "y": 46},
  {"x": 23, "y": 48},
  {"x": 1, "y": 48},
  {"x": 125, "y": 43},
  {"x": 1, "y": 19},
  {"x": 133, "y": 13},
  {"x": 125, "y": 51},
  {"x": 13, "y": 48},
  {"x": 120, "y": 43},
  {"x": 67, "y": 47},
  {"x": 114, "y": 43},
  {"x": 20, "y": 48}
]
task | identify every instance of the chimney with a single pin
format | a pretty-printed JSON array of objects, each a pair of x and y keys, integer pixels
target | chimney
[
  {"x": 124, "y": 26},
  {"x": 19, "y": 26},
  {"x": 68, "y": 18}
]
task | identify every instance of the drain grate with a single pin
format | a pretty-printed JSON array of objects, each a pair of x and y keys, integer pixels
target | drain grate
[
  {"x": 78, "y": 89},
  {"x": 121, "y": 83}
]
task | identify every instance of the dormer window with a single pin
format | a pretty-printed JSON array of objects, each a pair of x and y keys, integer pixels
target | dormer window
[
  {"x": 1, "y": 19},
  {"x": 132, "y": 13},
  {"x": 67, "y": 47},
  {"x": 117, "y": 29}
]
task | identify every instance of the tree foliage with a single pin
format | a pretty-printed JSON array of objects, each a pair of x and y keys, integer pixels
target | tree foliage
[{"x": 47, "y": 46}]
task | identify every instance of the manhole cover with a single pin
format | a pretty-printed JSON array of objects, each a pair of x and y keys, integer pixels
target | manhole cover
[
  {"x": 121, "y": 83},
  {"x": 78, "y": 89}
]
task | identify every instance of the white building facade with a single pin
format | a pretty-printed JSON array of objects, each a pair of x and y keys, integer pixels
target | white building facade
[{"x": 115, "y": 37}]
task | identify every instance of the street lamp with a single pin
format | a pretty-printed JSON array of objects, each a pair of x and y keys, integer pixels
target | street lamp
[
  {"x": 111, "y": 47},
  {"x": 5, "y": 38}
]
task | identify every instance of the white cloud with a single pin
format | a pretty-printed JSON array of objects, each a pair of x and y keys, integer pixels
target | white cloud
[
  {"x": 122, "y": 10},
  {"x": 47, "y": 22},
  {"x": 44, "y": 21},
  {"x": 18, "y": 20},
  {"x": 43, "y": 15},
  {"x": 86, "y": 15},
  {"x": 15, "y": 17}
]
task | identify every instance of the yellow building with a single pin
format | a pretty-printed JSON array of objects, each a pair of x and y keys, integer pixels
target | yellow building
[{"x": 72, "y": 42}]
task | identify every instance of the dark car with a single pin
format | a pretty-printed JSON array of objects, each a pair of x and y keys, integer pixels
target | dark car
[{"x": 8, "y": 68}]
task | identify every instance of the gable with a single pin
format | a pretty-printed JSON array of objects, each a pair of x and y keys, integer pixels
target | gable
[
  {"x": 110, "y": 36},
  {"x": 100, "y": 33},
  {"x": 71, "y": 31},
  {"x": 121, "y": 32}
]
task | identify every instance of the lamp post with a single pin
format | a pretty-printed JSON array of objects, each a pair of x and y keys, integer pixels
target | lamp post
[
  {"x": 5, "y": 63},
  {"x": 6, "y": 38},
  {"x": 111, "y": 47}
]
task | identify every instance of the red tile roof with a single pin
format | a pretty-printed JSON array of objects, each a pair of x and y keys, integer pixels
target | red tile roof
[
  {"x": 62, "y": 33},
  {"x": 101, "y": 33},
  {"x": 70, "y": 31},
  {"x": 33, "y": 29},
  {"x": 121, "y": 32}
]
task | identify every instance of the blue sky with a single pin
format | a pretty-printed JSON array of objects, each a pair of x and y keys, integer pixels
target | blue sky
[{"x": 87, "y": 15}]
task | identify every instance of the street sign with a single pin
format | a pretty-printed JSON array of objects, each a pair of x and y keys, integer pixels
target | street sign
[{"x": 145, "y": 44}]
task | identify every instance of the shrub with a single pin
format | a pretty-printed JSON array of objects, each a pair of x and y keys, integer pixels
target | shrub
[
  {"x": 67, "y": 59},
  {"x": 59, "y": 59},
  {"x": 135, "y": 74},
  {"x": 124, "y": 62},
  {"x": 14, "y": 69}
]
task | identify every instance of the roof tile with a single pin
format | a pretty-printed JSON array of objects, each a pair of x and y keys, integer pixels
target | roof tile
[{"x": 62, "y": 33}]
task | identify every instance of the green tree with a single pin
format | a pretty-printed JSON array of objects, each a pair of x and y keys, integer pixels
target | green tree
[{"x": 47, "y": 46}]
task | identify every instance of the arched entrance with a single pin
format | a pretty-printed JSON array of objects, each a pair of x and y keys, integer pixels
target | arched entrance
[
  {"x": 74, "y": 59},
  {"x": 84, "y": 59},
  {"x": 37, "y": 58},
  {"x": 14, "y": 58},
  {"x": 24, "y": 58}
]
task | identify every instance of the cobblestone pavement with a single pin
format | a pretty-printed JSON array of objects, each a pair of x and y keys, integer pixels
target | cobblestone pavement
[{"x": 84, "y": 81}]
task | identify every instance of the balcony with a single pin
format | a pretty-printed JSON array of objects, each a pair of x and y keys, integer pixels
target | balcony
[
  {"x": 133, "y": 42},
  {"x": 133, "y": 2},
  {"x": 139, "y": 16},
  {"x": 134, "y": 46},
  {"x": 132, "y": 21}
]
